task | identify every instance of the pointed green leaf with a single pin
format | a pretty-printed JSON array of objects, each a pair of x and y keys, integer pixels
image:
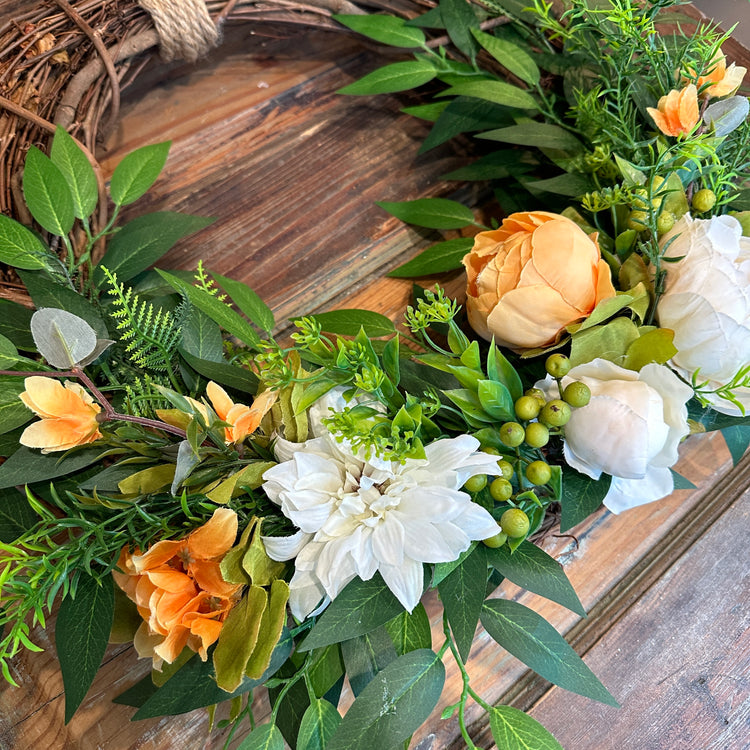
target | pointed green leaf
[
  {"x": 395, "y": 77},
  {"x": 365, "y": 656},
  {"x": 444, "y": 256},
  {"x": 16, "y": 515},
  {"x": 514, "y": 730},
  {"x": 67, "y": 156},
  {"x": 502, "y": 371},
  {"x": 384, "y": 29},
  {"x": 222, "y": 373},
  {"x": 47, "y": 193},
  {"x": 737, "y": 438},
  {"x": 537, "y": 134},
  {"x": 682, "y": 483},
  {"x": 13, "y": 412},
  {"x": 248, "y": 302},
  {"x": 350, "y": 322},
  {"x": 20, "y": 247},
  {"x": 201, "y": 336},
  {"x": 137, "y": 172},
  {"x": 410, "y": 631},
  {"x": 81, "y": 636},
  {"x": 429, "y": 112},
  {"x": 460, "y": 19},
  {"x": 15, "y": 323},
  {"x": 27, "y": 464},
  {"x": 571, "y": 185},
  {"x": 530, "y": 638},
  {"x": 510, "y": 56},
  {"x": 496, "y": 400},
  {"x": 264, "y": 737},
  {"x": 433, "y": 213},
  {"x": 319, "y": 723},
  {"x": 581, "y": 497},
  {"x": 493, "y": 91}
]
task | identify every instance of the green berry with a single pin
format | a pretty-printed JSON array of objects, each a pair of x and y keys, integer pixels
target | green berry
[
  {"x": 515, "y": 523},
  {"x": 512, "y": 434},
  {"x": 501, "y": 489},
  {"x": 538, "y": 472},
  {"x": 665, "y": 222},
  {"x": 506, "y": 469},
  {"x": 555, "y": 413},
  {"x": 496, "y": 541},
  {"x": 476, "y": 483},
  {"x": 537, "y": 435},
  {"x": 704, "y": 200},
  {"x": 638, "y": 221},
  {"x": 490, "y": 450},
  {"x": 557, "y": 365},
  {"x": 527, "y": 407},
  {"x": 537, "y": 393},
  {"x": 577, "y": 394}
]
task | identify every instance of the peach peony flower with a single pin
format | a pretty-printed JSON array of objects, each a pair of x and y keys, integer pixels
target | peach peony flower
[
  {"x": 68, "y": 415},
  {"x": 536, "y": 274},
  {"x": 244, "y": 420},
  {"x": 724, "y": 80},
  {"x": 178, "y": 588},
  {"x": 677, "y": 113}
]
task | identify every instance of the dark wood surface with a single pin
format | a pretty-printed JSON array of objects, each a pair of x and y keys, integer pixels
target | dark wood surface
[{"x": 291, "y": 171}]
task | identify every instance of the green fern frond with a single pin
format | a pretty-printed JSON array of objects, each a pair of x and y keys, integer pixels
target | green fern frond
[
  {"x": 142, "y": 399},
  {"x": 207, "y": 284}
]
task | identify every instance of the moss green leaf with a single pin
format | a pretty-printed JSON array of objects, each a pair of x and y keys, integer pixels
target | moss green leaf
[
  {"x": 47, "y": 193},
  {"x": 493, "y": 91},
  {"x": 75, "y": 167},
  {"x": 398, "y": 76},
  {"x": 271, "y": 627},
  {"x": 137, "y": 172},
  {"x": 510, "y": 56},
  {"x": 513, "y": 729}
]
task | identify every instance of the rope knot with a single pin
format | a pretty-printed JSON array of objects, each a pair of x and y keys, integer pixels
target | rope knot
[{"x": 185, "y": 28}]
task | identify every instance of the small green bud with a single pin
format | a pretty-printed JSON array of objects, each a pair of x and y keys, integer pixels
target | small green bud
[
  {"x": 555, "y": 413},
  {"x": 506, "y": 469},
  {"x": 538, "y": 472},
  {"x": 577, "y": 394},
  {"x": 515, "y": 523},
  {"x": 665, "y": 222},
  {"x": 704, "y": 200},
  {"x": 527, "y": 407},
  {"x": 512, "y": 434},
  {"x": 501, "y": 489},
  {"x": 537, "y": 435},
  {"x": 496, "y": 541},
  {"x": 476, "y": 483},
  {"x": 557, "y": 365},
  {"x": 637, "y": 221}
]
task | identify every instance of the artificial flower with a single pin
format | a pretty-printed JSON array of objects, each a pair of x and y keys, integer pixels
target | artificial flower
[
  {"x": 724, "y": 80},
  {"x": 179, "y": 590},
  {"x": 358, "y": 515},
  {"x": 631, "y": 429},
  {"x": 242, "y": 420},
  {"x": 677, "y": 113},
  {"x": 536, "y": 274},
  {"x": 69, "y": 415},
  {"x": 707, "y": 303}
]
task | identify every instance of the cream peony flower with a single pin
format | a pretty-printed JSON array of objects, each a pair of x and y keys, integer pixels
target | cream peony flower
[
  {"x": 631, "y": 429},
  {"x": 707, "y": 303},
  {"x": 358, "y": 516}
]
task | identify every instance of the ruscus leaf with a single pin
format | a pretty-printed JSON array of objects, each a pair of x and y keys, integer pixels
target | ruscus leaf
[{"x": 137, "y": 172}]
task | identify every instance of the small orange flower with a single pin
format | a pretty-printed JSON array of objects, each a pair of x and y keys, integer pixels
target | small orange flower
[
  {"x": 179, "y": 590},
  {"x": 724, "y": 80},
  {"x": 68, "y": 415},
  {"x": 677, "y": 113},
  {"x": 244, "y": 420}
]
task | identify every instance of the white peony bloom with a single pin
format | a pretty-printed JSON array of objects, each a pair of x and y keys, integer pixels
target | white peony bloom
[
  {"x": 631, "y": 429},
  {"x": 707, "y": 303},
  {"x": 359, "y": 516}
]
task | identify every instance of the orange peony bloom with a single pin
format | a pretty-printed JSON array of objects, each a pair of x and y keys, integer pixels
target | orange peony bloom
[
  {"x": 178, "y": 588},
  {"x": 244, "y": 420},
  {"x": 68, "y": 415},
  {"x": 677, "y": 113},
  {"x": 536, "y": 274},
  {"x": 724, "y": 80}
]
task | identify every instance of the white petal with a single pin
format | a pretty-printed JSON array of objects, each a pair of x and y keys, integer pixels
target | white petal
[
  {"x": 425, "y": 542},
  {"x": 305, "y": 594},
  {"x": 629, "y": 493},
  {"x": 281, "y": 548},
  {"x": 388, "y": 541},
  {"x": 405, "y": 581},
  {"x": 476, "y": 522}
]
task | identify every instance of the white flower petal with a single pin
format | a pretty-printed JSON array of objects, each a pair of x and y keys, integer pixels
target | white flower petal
[
  {"x": 405, "y": 581},
  {"x": 629, "y": 493},
  {"x": 388, "y": 541},
  {"x": 281, "y": 548}
]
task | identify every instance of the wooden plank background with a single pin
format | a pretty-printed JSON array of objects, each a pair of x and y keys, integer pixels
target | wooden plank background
[{"x": 291, "y": 171}]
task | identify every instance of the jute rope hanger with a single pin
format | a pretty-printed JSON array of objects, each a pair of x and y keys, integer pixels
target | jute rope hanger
[{"x": 185, "y": 28}]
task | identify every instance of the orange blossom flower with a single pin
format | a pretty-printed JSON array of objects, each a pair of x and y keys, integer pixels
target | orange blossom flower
[
  {"x": 178, "y": 588},
  {"x": 677, "y": 113},
  {"x": 68, "y": 415},
  {"x": 724, "y": 80},
  {"x": 243, "y": 420}
]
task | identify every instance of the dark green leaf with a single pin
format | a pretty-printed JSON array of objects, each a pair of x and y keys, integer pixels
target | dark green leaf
[
  {"x": 462, "y": 594},
  {"x": 444, "y": 256},
  {"x": 349, "y": 322},
  {"x": 460, "y": 19},
  {"x": 432, "y": 19},
  {"x": 290, "y": 708},
  {"x": 680, "y": 482},
  {"x": 443, "y": 570},
  {"x": 264, "y": 737},
  {"x": 512, "y": 729},
  {"x": 708, "y": 417},
  {"x": 67, "y": 156},
  {"x": 365, "y": 656},
  {"x": 571, "y": 185},
  {"x": 137, "y": 172},
  {"x": 533, "y": 569},
  {"x": 138, "y": 694},
  {"x": 19, "y": 246},
  {"x": 493, "y": 91},
  {"x": 537, "y": 134},
  {"x": 16, "y": 515},
  {"x": 429, "y": 112},
  {"x": 201, "y": 336},
  {"x": 143, "y": 240},
  {"x": 27, "y": 464},
  {"x": 737, "y": 438},
  {"x": 384, "y": 29},
  {"x": 410, "y": 631},
  {"x": 248, "y": 302},
  {"x": 15, "y": 323},
  {"x": 13, "y": 412},
  {"x": 223, "y": 373},
  {"x": 391, "y": 360},
  {"x": 581, "y": 497},
  {"x": 433, "y": 213},
  {"x": 502, "y": 371},
  {"x": 398, "y": 76},
  {"x": 510, "y": 56},
  {"x": 319, "y": 723},
  {"x": 530, "y": 638},
  {"x": 47, "y": 193},
  {"x": 360, "y": 608},
  {"x": 81, "y": 636},
  {"x": 495, "y": 166},
  {"x": 326, "y": 669}
]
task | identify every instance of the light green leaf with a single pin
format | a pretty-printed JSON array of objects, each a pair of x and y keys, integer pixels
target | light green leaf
[
  {"x": 433, "y": 213},
  {"x": 20, "y": 247},
  {"x": 537, "y": 134},
  {"x": 410, "y": 631},
  {"x": 384, "y": 29},
  {"x": 137, "y": 172},
  {"x": 581, "y": 497},
  {"x": 512, "y": 729},
  {"x": 609, "y": 341},
  {"x": 319, "y": 722},
  {"x": 395, "y": 77},
  {"x": 248, "y": 302},
  {"x": 444, "y": 256},
  {"x": 81, "y": 636},
  {"x": 47, "y": 193},
  {"x": 62, "y": 338},
  {"x": 655, "y": 346},
  {"x": 429, "y": 112},
  {"x": 530, "y": 638},
  {"x": 67, "y": 156},
  {"x": 493, "y": 91},
  {"x": 496, "y": 400},
  {"x": 350, "y": 322},
  {"x": 201, "y": 336},
  {"x": 264, "y": 737},
  {"x": 510, "y": 56}
]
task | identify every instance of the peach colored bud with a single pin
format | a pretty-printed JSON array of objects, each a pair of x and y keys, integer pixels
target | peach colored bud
[
  {"x": 724, "y": 79},
  {"x": 677, "y": 113}
]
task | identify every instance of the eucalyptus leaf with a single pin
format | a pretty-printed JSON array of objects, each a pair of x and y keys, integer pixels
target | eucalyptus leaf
[
  {"x": 20, "y": 247},
  {"x": 187, "y": 460},
  {"x": 137, "y": 172},
  {"x": 433, "y": 213},
  {"x": 47, "y": 194},
  {"x": 75, "y": 167},
  {"x": 726, "y": 115},
  {"x": 398, "y": 76},
  {"x": 63, "y": 339}
]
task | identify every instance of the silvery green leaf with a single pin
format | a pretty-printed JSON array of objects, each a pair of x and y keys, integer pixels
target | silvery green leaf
[
  {"x": 727, "y": 115},
  {"x": 187, "y": 460},
  {"x": 101, "y": 346},
  {"x": 63, "y": 339}
]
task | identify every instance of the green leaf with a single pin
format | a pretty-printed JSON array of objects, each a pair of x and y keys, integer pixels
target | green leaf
[
  {"x": 81, "y": 636},
  {"x": 393, "y": 705},
  {"x": 319, "y": 723},
  {"x": 462, "y": 594},
  {"x": 530, "y": 638},
  {"x": 429, "y": 112},
  {"x": 137, "y": 172},
  {"x": 201, "y": 336},
  {"x": 410, "y": 631},
  {"x": 248, "y": 302},
  {"x": 398, "y": 76},
  {"x": 682, "y": 483},
  {"x": 360, "y": 608},
  {"x": 222, "y": 373},
  {"x": 13, "y": 412},
  {"x": 444, "y": 256},
  {"x": 533, "y": 569},
  {"x": 737, "y": 438},
  {"x": 145, "y": 239},
  {"x": 443, "y": 570},
  {"x": 571, "y": 185},
  {"x": 510, "y": 56},
  {"x": 15, "y": 323},
  {"x": 581, "y": 497},
  {"x": 26, "y": 465},
  {"x": 75, "y": 167},
  {"x": 47, "y": 193},
  {"x": 514, "y": 730},
  {"x": 494, "y": 166},
  {"x": 460, "y": 20},
  {"x": 537, "y": 134},
  {"x": 496, "y": 400},
  {"x": 16, "y": 515},
  {"x": 350, "y": 322},
  {"x": 493, "y": 91},
  {"x": 264, "y": 737},
  {"x": 20, "y": 247},
  {"x": 384, "y": 29},
  {"x": 365, "y": 656},
  {"x": 433, "y": 213},
  {"x": 502, "y": 371},
  {"x": 431, "y": 19},
  {"x": 228, "y": 319}
]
